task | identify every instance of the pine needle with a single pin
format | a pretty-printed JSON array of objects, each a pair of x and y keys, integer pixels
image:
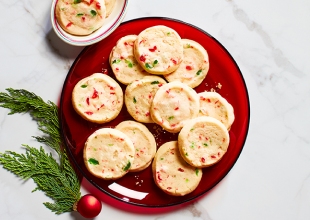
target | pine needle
[{"x": 58, "y": 181}]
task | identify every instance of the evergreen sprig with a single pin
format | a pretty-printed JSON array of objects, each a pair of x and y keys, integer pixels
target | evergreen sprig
[{"x": 58, "y": 181}]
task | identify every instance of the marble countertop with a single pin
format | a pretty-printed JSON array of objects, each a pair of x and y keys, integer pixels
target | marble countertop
[{"x": 269, "y": 40}]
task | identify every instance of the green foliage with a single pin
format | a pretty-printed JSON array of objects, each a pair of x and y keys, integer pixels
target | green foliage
[{"x": 57, "y": 181}]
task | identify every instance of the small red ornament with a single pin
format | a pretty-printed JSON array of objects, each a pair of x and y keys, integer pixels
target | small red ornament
[{"x": 88, "y": 206}]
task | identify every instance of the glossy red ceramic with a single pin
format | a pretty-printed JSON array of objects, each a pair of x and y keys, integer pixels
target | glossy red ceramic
[{"x": 223, "y": 70}]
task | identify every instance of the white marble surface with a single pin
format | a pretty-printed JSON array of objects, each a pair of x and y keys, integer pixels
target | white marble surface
[{"x": 269, "y": 40}]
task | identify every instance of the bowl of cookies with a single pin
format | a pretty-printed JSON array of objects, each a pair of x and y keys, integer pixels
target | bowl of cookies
[{"x": 85, "y": 22}]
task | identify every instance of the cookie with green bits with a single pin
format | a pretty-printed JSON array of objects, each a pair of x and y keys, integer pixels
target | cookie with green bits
[
  {"x": 171, "y": 173},
  {"x": 173, "y": 105},
  {"x": 143, "y": 141},
  {"x": 195, "y": 66},
  {"x": 79, "y": 17},
  {"x": 139, "y": 96},
  {"x": 159, "y": 49},
  {"x": 214, "y": 105},
  {"x": 123, "y": 62},
  {"x": 203, "y": 141},
  {"x": 97, "y": 98},
  {"x": 108, "y": 153}
]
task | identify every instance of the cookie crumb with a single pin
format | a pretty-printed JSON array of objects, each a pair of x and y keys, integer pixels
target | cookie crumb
[{"x": 219, "y": 86}]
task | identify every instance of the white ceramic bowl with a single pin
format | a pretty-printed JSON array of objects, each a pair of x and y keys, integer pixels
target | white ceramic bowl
[{"x": 110, "y": 24}]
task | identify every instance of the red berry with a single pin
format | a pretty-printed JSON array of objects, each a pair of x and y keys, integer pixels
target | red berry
[{"x": 89, "y": 206}]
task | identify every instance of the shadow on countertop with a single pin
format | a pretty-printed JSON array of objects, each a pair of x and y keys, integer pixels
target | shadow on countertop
[{"x": 60, "y": 48}]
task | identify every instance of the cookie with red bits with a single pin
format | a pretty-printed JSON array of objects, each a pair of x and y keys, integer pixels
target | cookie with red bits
[
  {"x": 80, "y": 17},
  {"x": 143, "y": 141},
  {"x": 139, "y": 97},
  {"x": 195, "y": 66},
  {"x": 214, "y": 105},
  {"x": 123, "y": 62},
  {"x": 108, "y": 153},
  {"x": 159, "y": 49},
  {"x": 97, "y": 98},
  {"x": 203, "y": 141},
  {"x": 173, "y": 105},
  {"x": 172, "y": 174}
]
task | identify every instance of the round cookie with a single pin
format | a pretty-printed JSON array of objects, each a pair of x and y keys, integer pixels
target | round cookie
[
  {"x": 109, "y": 5},
  {"x": 139, "y": 97},
  {"x": 214, "y": 105},
  {"x": 80, "y": 17},
  {"x": 194, "y": 67},
  {"x": 97, "y": 98},
  {"x": 123, "y": 62},
  {"x": 173, "y": 105},
  {"x": 159, "y": 50},
  {"x": 172, "y": 174},
  {"x": 203, "y": 141},
  {"x": 108, "y": 153},
  {"x": 143, "y": 141}
]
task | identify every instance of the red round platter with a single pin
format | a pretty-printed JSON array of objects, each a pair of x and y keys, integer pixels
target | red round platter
[{"x": 223, "y": 70}]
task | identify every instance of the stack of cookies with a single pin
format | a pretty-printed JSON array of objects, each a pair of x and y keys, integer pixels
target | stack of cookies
[
  {"x": 82, "y": 17},
  {"x": 160, "y": 71}
]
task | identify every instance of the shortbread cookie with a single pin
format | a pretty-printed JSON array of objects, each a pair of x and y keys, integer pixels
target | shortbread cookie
[
  {"x": 174, "y": 104},
  {"x": 97, "y": 98},
  {"x": 214, "y": 105},
  {"x": 139, "y": 97},
  {"x": 172, "y": 174},
  {"x": 159, "y": 50},
  {"x": 108, "y": 153},
  {"x": 195, "y": 66},
  {"x": 143, "y": 141},
  {"x": 123, "y": 62},
  {"x": 109, "y": 5},
  {"x": 80, "y": 17},
  {"x": 203, "y": 141}
]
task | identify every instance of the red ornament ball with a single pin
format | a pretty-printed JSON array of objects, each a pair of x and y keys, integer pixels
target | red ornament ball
[{"x": 89, "y": 206}]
